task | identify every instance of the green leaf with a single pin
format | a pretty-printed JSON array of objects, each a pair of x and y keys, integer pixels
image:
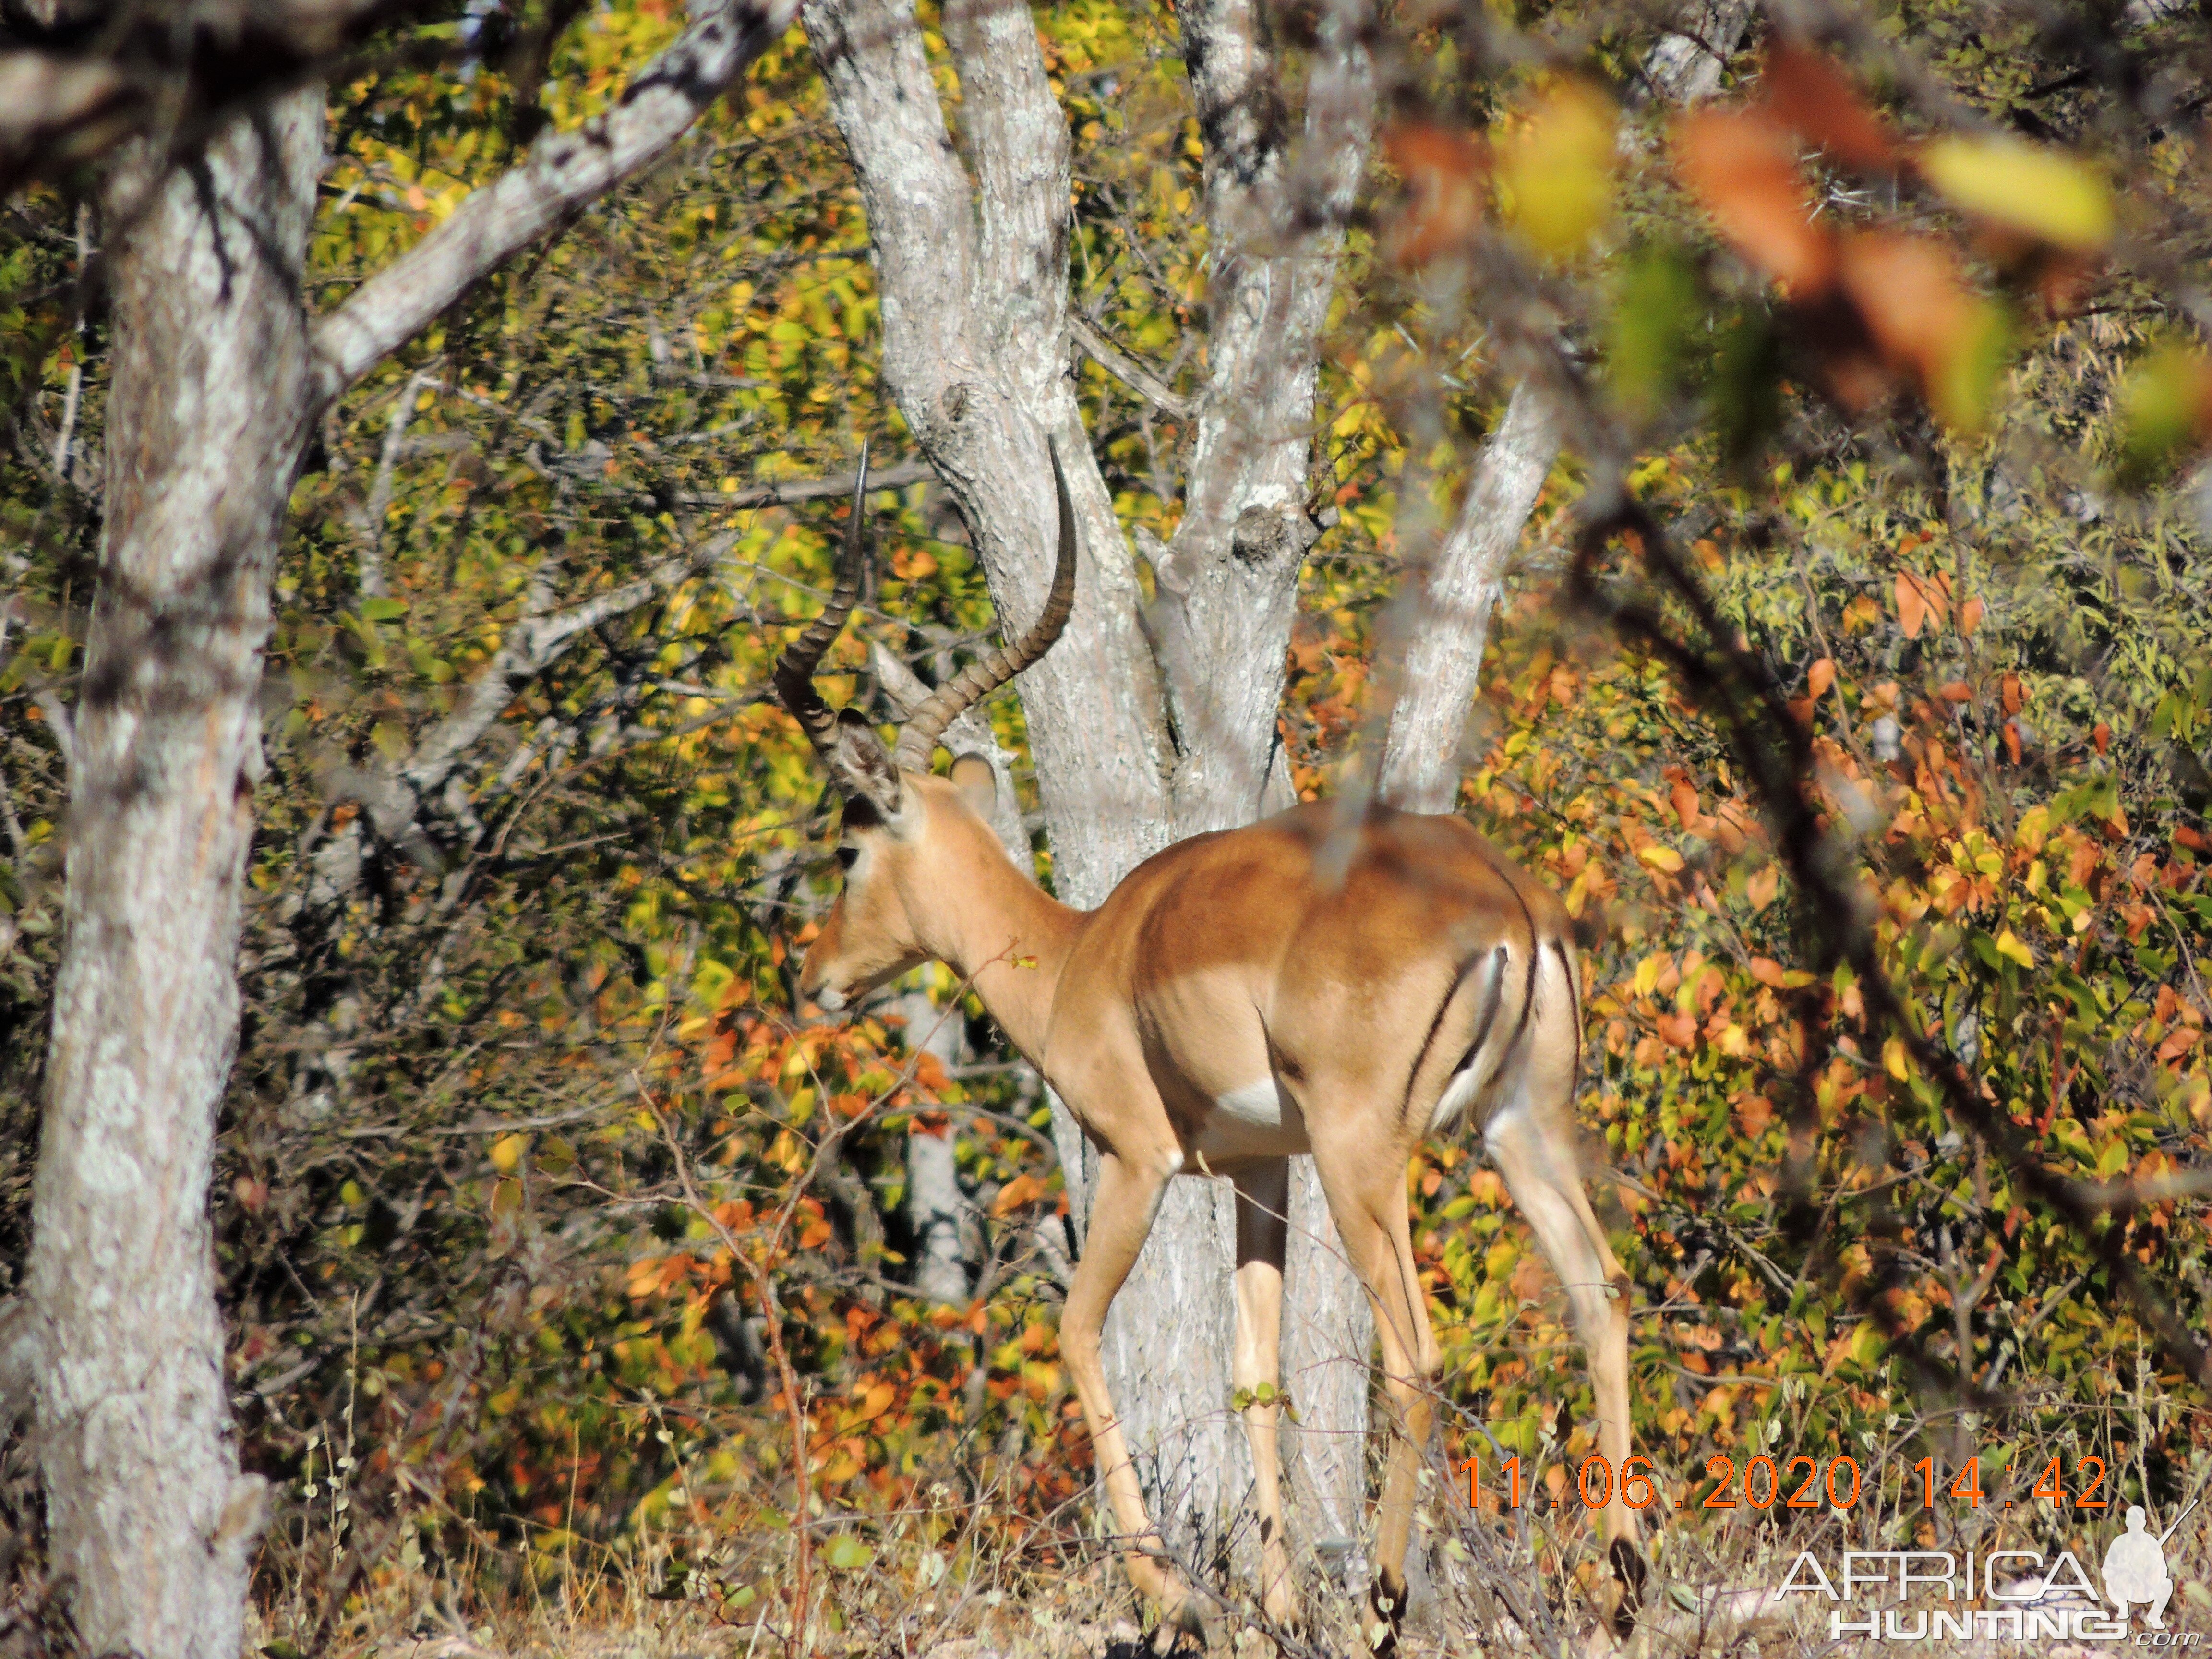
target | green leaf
[
  {"x": 848, "y": 1554},
  {"x": 2025, "y": 187},
  {"x": 383, "y": 609}
]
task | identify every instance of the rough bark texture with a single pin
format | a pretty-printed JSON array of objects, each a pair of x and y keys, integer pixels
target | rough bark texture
[
  {"x": 1228, "y": 591},
  {"x": 1144, "y": 728},
  {"x": 148, "y": 1518},
  {"x": 975, "y": 351}
]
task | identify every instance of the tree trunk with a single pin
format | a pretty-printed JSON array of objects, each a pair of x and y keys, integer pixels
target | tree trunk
[
  {"x": 1442, "y": 668},
  {"x": 150, "y": 1520}
]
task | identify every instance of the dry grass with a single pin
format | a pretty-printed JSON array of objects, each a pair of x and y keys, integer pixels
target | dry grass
[{"x": 1498, "y": 1587}]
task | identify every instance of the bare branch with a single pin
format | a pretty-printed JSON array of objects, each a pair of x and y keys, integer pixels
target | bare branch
[
  {"x": 113, "y": 72},
  {"x": 395, "y": 795},
  {"x": 564, "y": 171},
  {"x": 1127, "y": 370},
  {"x": 533, "y": 645},
  {"x": 370, "y": 520}
]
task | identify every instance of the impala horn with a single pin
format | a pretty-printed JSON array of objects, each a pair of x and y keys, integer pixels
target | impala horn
[
  {"x": 917, "y": 741},
  {"x": 794, "y": 669}
]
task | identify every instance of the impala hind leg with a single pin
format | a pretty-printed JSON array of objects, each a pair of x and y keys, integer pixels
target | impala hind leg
[
  {"x": 1366, "y": 1189},
  {"x": 1263, "y": 1202},
  {"x": 1534, "y": 1145},
  {"x": 1122, "y": 1210}
]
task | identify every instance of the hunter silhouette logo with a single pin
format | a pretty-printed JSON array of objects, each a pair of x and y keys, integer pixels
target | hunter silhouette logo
[
  {"x": 2135, "y": 1568},
  {"x": 1928, "y": 1596}
]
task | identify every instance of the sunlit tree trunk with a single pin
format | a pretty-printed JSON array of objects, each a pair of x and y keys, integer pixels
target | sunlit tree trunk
[{"x": 148, "y": 1518}]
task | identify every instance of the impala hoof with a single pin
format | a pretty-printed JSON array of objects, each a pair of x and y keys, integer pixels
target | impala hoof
[
  {"x": 1386, "y": 1612},
  {"x": 1629, "y": 1570}
]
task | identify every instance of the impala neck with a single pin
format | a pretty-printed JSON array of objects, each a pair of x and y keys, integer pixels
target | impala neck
[{"x": 1012, "y": 938}]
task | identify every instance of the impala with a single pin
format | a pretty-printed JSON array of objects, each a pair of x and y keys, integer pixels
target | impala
[{"x": 1225, "y": 1008}]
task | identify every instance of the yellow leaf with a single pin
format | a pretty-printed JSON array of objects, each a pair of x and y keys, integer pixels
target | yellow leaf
[
  {"x": 506, "y": 1152},
  {"x": 1647, "y": 973},
  {"x": 1660, "y": 858},
  {"x": 1554, "y": 168},
  {"x": 2010, "y": 946},
  {"x": 1893, "y": 1059},
  {"x": 2023, "y": 186}
]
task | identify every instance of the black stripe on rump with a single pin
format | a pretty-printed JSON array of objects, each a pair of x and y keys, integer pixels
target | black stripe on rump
[
  {"x": 1489, "y": 1017},
  {"x": 1574, "y": 996},
  {"x": 1536, "y": 944}
]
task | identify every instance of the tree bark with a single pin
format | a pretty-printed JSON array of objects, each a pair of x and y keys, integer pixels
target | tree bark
[
  {"x": 1453, "y": 596},
  {"x": 148, "y": 1518}
]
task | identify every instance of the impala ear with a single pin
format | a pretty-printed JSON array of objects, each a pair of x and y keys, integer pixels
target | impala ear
[
  {"x": 861, "y": 767},
  {"x": 977, "y": 781}
]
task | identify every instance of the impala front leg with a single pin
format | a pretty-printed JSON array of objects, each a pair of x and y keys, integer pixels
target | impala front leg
[{"x": 1122, "y": 1211}]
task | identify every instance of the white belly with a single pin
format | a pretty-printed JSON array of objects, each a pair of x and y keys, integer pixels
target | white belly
[{"x": 1255, "y": 1121}]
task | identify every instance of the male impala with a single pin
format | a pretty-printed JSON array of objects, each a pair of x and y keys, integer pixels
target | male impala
[{"x": 1225, "y": 1008}]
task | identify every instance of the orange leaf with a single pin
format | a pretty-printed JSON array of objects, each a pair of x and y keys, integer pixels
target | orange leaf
[
  {"x": 1823, "y": 676},
  {"x": 1684, "y": 800},
  {"x": 2009, "y": 687},
  {"x": 1970, "y": 614},
  {"x": 1912, "y": 609},
  {"x": 1956, "y": 691},
  {"x": 1767, "y": 971},
  {"x": 1742, "y": 167},
  {"x": 1818, "y": 100},
  {"x": 1909, "y": 292},
  {"x": 1442, "y": 170},
  {"x": 1022, "y": 1190}
]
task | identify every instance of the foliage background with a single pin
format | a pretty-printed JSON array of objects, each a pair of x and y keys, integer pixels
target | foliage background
[{"x": 544, "y": 1220}]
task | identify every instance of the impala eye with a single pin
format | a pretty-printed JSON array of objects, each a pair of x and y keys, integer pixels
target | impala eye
[{"x": 849, "y": 856}]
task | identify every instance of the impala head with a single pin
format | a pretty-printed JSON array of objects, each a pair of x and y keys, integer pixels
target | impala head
[{"x": 908, "y": 836}]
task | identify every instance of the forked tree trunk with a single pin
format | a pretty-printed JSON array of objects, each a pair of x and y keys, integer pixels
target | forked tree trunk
[{"x": 148, "y": 1518}]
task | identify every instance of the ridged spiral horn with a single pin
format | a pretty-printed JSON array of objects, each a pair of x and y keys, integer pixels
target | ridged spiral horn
[
  {"x": 918, "y": 740},
  {"x": 794, "y": 669}
]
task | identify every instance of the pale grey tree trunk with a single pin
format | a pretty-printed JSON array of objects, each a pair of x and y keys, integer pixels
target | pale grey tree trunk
[
  {"x": 1451, "y": 598},
  {"x": 149, "y": 1519}
]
